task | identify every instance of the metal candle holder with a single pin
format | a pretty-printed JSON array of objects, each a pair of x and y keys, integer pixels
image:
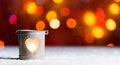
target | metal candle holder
[{"x": 31, "y": 44}]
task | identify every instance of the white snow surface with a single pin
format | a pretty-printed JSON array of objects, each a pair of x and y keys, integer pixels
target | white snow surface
[{"x": 65, "y": 56}]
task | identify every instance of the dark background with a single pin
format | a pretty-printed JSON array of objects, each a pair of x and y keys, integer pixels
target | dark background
[{"x": 63, "y": 36}]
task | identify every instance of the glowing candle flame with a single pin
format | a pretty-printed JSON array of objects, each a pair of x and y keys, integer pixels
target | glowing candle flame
[{"x": 32, "y": 44}]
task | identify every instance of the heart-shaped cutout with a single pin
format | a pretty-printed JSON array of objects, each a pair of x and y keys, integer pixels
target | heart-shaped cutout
[{"x": 32, "y": 44}]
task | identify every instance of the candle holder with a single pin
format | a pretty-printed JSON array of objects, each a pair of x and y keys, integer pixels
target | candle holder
[{"x": 31, "y": 44}]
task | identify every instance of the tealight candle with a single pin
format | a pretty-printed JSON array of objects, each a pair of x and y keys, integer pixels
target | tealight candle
[{"x": 31, "y": 44}]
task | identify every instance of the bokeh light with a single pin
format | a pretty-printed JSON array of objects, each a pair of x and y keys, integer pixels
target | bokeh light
[
  {"x": 58, "y": 1},
  {"x": 40, "y": 25},
  {"x": 13, "y": 19},
  {"x": 89, "y": 18},
  {"x": 51, "y": 15},
  {"x": 40, "y": 10},
  {"x": 40, "y": 2},
  {"x": 54, "y": 24},
  {"x": 100, "y": 23},
  {"x": 25, "y": 5},
  {"x": 117, "y": 0},
  {"x": 110, "y": 24},
  {"x": 110, "y": 45},
  {"x": 114, "y": 9},
  {"x": 31, "y": 8},
  {"x": 75, "y": 22},
  {"x": 100, "y": 15},
  {"x": 64, "y": 11},
  {"x": 2, "y": 44},
  {"x": 89, "y": 38},
  {"x": 98, "y": 32},
  {"x": 71, "y": 23}
]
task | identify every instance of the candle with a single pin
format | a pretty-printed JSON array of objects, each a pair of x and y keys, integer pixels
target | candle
[{"x": 31, "y": 44}]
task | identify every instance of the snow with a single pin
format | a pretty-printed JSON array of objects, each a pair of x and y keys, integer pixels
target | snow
[{"x": 65, "y": 56}]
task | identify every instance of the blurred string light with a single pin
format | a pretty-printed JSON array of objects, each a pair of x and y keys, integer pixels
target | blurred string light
[
  {"x": 71, "y": 23},
  {"x": 89, "y": 18},
  {"x": 114, "y": 8},
  {"x": 110, "y": 45},
  {"x": 64, "y": 11},
  {"x": 89, "y": 38},
  {"x": 30, "y": 7},
  {"x": 40, "y": 25},
  {"x": 40, "y": 10},
  {"x": 110, "y": 24},
  {"x": 12, "y": 19},
  {"x": 51, "y": 15},
  {"x": 2, "y": 44},
  {"x": 55, "y": 24},
  {"x": 98, "y": 32},
  {"x": 40, "y": 2},
  {"x": 58, "y": 1}
]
